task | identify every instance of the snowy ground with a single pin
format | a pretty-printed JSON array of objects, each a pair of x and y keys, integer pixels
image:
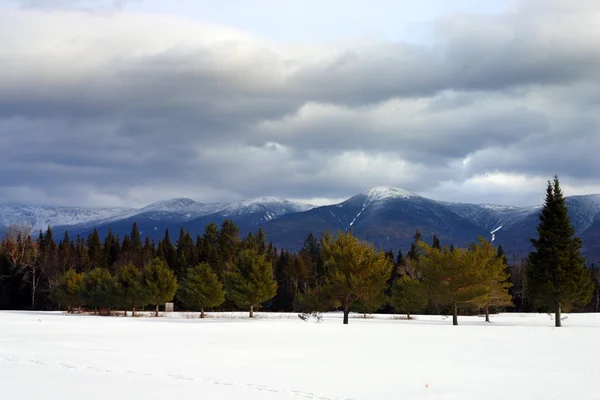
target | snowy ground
[{"x": 55, "y": 356}]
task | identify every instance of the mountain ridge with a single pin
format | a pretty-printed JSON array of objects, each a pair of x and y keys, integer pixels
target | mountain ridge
[{"x": 385, "y": 216}]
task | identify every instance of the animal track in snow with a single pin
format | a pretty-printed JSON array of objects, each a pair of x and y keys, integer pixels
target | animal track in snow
[{"x": 250, "y": 386}]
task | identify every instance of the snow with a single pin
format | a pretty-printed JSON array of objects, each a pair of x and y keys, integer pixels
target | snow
[
  {"x": 519, "y": 356},
  {"x": 490, "y": 215},
  {"x": 385, "y": 193},
  {"x": 184, "y": 206},
  {"x": 274, "y": 205},
  {"x": 39, "y": 217}
]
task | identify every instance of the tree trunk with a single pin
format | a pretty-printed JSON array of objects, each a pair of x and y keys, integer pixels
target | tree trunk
[
  {"x": 78, "y": 309},
  {"x": 251, "y": 311},
  {"x": 95, "y": 310},
  {"x": 557, "y": 319},
  {"x": 202, "y": 313},
  {"x": 487, "y": 314},
  {"x": 408, "y": 315},
  {"x": 33, "y": 288},
  {"x": 70, "y": 309},
  {"x": 364, "y": 314},
  {"x": 132, "y": 312},
  {"x": 455, "y": 315},
  {"x": 156, "y": 311},
  {"x": 346, "y": 312}
]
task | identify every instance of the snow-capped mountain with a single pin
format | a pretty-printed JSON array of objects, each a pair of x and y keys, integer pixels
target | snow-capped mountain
[
  {"x": 182, "y": 208},
  {"x": 491, "y": 216},
  {"x": 270, "y": 207},
  {"x": 40, "y": 217}
]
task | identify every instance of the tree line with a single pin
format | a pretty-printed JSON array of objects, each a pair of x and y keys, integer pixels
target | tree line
[{"x": 218, "y": 270}]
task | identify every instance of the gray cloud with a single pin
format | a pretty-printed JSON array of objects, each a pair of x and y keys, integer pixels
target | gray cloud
[
  {"x": 127, "y": 109},
  {"x": 78, "y": 4}
]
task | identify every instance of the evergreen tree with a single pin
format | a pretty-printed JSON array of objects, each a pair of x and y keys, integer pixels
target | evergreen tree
[
  {"x": 415, "y": 251},
  {"x": 160, "y": 283},
  {"x": 95, "y": 251},
  {"x": 451, "y": 277},
  {"x": 136, "y": 238},
  {"x": 111, "y": 251},
  {"x": 81, "y": 255},
  {"x": 436, "y": 242},
  {"x": 210, "y": 249},
  {"x": 201, "y": 289},
  {"x": 169, "y": 251},
  {"x": 228, "y": 241},
  {"x": 67, "y": 290},
  {"x": 556, "y": 276},
  {"x": 354, "y": 271},
  {"x": 284, "y": 299},
  {"x": 249, "y": 280},
  {"x": 495, "y": 280},
  {"x": 261, "y": 239},
  {"x": 408, "y": 295},
  {"x": 98, "y": 289},
  {"x": 148, "y": 251},
  {"x": 130, "y": 289}
]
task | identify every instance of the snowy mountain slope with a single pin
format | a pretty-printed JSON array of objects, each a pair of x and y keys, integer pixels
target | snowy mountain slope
[
  {"x": 387, "y": 217},
  {"x": 183, "y": 208},
  {"x": 155, "y": 219},
  {"x": 39, "y": 217},
  {"x": 491, "y": 216},
  {"x": 584, "y": 210},
  {"x": 272, "y": 207}
]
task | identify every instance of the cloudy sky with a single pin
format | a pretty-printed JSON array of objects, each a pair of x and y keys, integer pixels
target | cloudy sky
[{"x": 122, "y": 103}]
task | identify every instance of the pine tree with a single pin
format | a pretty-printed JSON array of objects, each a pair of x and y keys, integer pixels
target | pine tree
[
  {"x": 130, "y": 289},
  {"x": 136, "y": 238},
  {"x": 452, "y": 277},
  {"x": 210, "y": 252},
  {"x": 95, "y": 251},
  {"x": 249, "y": 280},
  {"x": 98, "y": 289},
  {"x": 228, "y": 241},
  {"x": 415, "y": 251},
  {"x": 354, "y": 271},
  {"x": 408, "y": 295},
  {"x": 286, "y": 289},
  {"x": 67, "y": 290},
  {"x": 160, "y": 283},
  {"x": 495, "y": 279},
  {"x": 111, "y": 253},
  {"x": 436, "y": 242},
  {"x": 201, "y": 289},
  {"x": 556, "y": 277}
]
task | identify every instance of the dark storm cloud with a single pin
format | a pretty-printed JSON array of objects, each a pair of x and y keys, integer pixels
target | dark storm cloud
[{"x": 128, "y": 109}]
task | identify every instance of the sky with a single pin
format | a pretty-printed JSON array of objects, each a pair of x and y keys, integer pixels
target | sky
[{"x": 123, "y": 103}]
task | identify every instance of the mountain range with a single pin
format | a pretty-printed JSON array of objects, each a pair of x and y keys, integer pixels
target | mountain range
[{"x": 385, "y": 216}]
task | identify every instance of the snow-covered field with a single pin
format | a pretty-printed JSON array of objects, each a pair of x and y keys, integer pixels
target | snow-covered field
[{"x": 56, "y": 356}]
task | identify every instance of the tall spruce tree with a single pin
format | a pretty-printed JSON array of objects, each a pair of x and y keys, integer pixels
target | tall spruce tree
[{"x": 556, "y": 276}]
